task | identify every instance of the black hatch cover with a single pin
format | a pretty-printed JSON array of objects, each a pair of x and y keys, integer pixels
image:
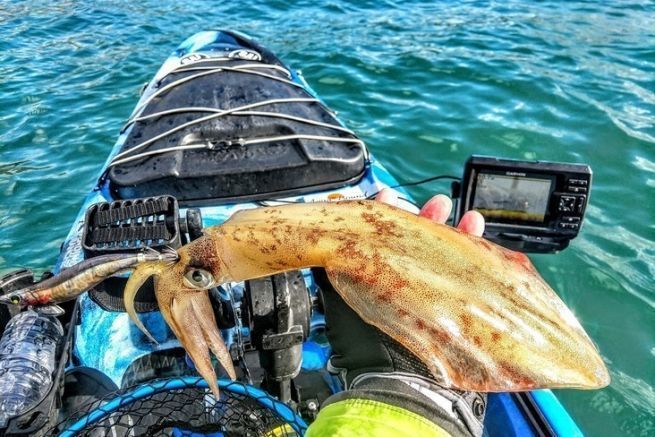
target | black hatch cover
[{"x": 227, "y": 165}]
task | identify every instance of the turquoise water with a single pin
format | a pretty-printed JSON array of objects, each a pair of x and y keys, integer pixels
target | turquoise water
[{"x": 425, "y": 84}]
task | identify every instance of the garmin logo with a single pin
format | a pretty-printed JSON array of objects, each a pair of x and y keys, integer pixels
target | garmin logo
[{"x": 514, "y": 173}]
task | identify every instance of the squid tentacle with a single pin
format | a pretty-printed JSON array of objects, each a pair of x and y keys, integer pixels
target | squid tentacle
[
  {"x": 134, "y": 283},
  {"x": 203, "y": 311}
]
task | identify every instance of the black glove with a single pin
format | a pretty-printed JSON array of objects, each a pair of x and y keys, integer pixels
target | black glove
[{"x": 374, "y": 366}]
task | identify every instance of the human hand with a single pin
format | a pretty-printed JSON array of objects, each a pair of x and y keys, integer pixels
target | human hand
[
  {"x": 375, "y": 351},
  {"x": 438, "y": 210},
  {"x": 374, "y": 366}
]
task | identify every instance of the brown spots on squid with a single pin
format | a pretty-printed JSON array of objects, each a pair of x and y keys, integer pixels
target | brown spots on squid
[
  {"x": 396, "y": 281},
  {"x": 495, "y": 336},
  {"x": 277, "y": 264},
  {"x": 470, "y": 275},
  {"x": 276, "y": 221},
  {"x": 203, "y": 253},
  {"x": 518, "y": 305},
  {"x": 267, "y": 250},
  {"x": 467, "y": 322},
  {"x": 385, "y": 228},
  {"x": 275, "y": 232},
  {"x": 234, "y": 233},
  {"x": 379, "y": 267},
  {"x": 343, "y": 234},
  {"x": 315, "y": 234},
  {"x": 338, "y": 219},
  {"x": 363, "y": 277},
  {"x": 349, "y": 250},
  {"x": 517, "y": 377},
  {"x": 252, "y": 238},
  {"x": 372, "y": 269},
  {"x": 442, "y": 336}
]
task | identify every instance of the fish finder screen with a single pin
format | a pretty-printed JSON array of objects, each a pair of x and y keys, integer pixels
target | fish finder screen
[{"x": 510, "y": 199}]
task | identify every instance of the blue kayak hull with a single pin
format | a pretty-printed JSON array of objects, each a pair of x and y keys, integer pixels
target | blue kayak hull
[{"x": 108, "y": 342}]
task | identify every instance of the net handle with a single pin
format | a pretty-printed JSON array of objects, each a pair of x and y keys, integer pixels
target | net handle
[{"x": 148, "y": 389}]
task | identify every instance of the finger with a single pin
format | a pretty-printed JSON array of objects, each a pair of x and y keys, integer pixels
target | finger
[
  {"x": 387, "y": 196},
  {"x": 437, "y": 209},
  {"x": 473, "y": 223}
]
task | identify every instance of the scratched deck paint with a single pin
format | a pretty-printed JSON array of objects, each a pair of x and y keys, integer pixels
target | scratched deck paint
[{"x": 425, "y": 84}]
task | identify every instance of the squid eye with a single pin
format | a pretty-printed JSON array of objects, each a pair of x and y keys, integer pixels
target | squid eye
[
  {"x": 199, "y": 278},
  {"x": 15, "y": 299}
]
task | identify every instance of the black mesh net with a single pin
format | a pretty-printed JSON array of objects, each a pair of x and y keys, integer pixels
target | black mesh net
[{"x": 180, "y": 407}]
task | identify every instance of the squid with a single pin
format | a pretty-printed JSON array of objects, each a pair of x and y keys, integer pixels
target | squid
[{"x": 479, "y": 316}]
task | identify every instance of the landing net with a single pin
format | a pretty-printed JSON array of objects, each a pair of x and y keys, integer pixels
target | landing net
[{"x": 184, "y": 407}]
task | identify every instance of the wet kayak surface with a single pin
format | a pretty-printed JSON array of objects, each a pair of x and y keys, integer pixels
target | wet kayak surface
[{"x": 425, "y": 84}]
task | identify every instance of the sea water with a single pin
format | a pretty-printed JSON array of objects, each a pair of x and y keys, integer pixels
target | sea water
[{"x": 424, "y": 83}]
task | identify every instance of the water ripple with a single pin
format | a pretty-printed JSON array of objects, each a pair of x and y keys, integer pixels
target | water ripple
[{"x": 425, "y": 83}]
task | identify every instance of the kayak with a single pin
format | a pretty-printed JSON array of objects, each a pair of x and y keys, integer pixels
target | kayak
[{"x": 224, "y": 125}]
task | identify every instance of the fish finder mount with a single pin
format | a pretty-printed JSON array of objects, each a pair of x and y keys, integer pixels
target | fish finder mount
[{"x": 528, "y": 206}]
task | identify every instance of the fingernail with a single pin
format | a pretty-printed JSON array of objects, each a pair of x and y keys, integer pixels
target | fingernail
[
  {"x": 387, "y": 196},
  {"x": 437, "y": 209},
  {"x": 472, "y": 223}
]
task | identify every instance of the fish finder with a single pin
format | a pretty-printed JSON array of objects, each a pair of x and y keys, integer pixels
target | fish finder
[{"x": 529, "y": 206}]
